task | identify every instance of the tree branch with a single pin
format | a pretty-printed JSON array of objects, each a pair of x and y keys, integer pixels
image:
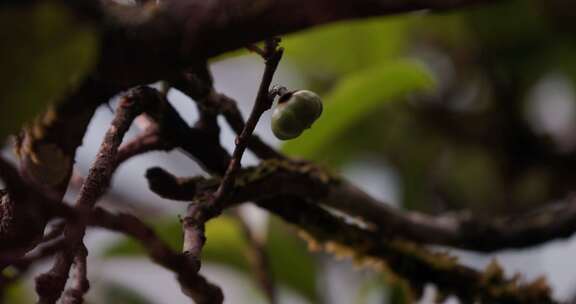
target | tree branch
[
  {"x": 210, "y": 154},
  {"x": 150, "y": 140},
  {"x": 49, "y": 286},
  {"x": 180, "y": 33},
  {"x": 416, "y": 264},
  {"x": 80, "y": 284},
  {"x": 214, "y": 103},
  {"x": 274, "y": 179},
  {"x": 234, "y": 118},
  {"x": 192, "y": 283},
  {"x": 46, "y": 151},
  {"x": 22, "y": 219},
  {"x": 201, "y": 210},
  {"x": 263, "y": 102}
]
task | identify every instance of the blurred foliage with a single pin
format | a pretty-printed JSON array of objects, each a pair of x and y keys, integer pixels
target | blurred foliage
[
  {"x": 325, "y": 53},
  {"x": 119, "y": 294},
  {"x": 443, "y": 99},
  {"x": 290, "y": 262},
  {"x": 18, "y": 293},
  {"x": 223, "y": 237},
  {"x": 45, "y": 51},
  {"x": 292, "y": 265}
]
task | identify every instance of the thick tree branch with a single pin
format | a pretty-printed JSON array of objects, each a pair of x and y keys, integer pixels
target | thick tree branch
[
  {"x": 417, "y": 264},
  {"x": 47, "y": 147},
  {"x": 46, "y": 150},
  {"x": 273, "y": 179},
  {"x": 182, "y": 32},
  {"x": 383, "y": 251}
]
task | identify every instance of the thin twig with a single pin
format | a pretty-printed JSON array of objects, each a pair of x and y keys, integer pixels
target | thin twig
[
  {"x": 200, "y": 211},
  {"x": 150, "y": 140},
  {"x": 256, "y": 49},
  {"x": 52, "y": 242},
  {"x": 80, "y": 284},
  {"x": 234, "y": 118},
  {"x": 22, "y": 264},
  {"x": 48, "y": 247},
  {"x": 50, "y": 285},
  {"x": 198, "y": 86},
  {"x": 263, "y": 102},
  {"x": 192, "y": 283}
]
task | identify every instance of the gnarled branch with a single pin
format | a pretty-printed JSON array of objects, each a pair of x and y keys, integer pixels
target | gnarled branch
[{"x": 277, "y": 178}]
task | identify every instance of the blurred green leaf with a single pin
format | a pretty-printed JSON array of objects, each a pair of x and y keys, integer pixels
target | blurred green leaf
[
  {"x": 168, "y": 229},
  {"x": 356, "y": 97},
  {"x": 223, "y": 235},
  {"x": 291, "y": 262},
  {"x": 225, "y": 244},
  {"x": 119, "y": 294},
  {"x": 45, "y": 51},
  {"x": 345, "y": 47},
  {"x": 18, "y": 293},
  {"x": 292, "y": 266}
]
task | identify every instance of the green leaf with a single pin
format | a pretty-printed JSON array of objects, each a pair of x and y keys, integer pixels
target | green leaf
[
  {"x": 45, "y": 52},
  {"x": 346, "y": 46},
  {"x": 356, "y": 97}
]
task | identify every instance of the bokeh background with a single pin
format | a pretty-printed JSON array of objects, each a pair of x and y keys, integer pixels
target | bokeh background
[{"x": 429, "y": 112}]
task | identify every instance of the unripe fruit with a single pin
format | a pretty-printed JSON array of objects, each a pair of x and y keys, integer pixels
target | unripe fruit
[{"x": 295, "y": 113}]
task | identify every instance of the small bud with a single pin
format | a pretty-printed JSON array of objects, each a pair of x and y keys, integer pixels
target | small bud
[{"x": 295, "y": 112}]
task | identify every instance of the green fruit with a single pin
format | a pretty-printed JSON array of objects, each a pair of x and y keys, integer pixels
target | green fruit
[{"x": 295, "y": 113}]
